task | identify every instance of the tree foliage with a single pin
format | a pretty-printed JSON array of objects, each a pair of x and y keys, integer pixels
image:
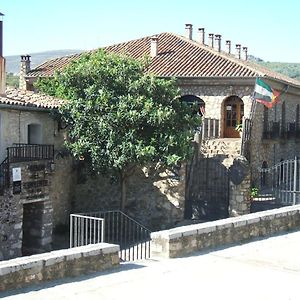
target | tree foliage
[{"x": 120, "y": 116}]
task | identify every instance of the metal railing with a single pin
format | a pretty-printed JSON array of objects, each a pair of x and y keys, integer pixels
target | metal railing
[
  {"x": 4, "y": 175},
  {"x": 28, "y": 152},
  {"x": 85, "y": 230},
  {"x": 246, "y": 134},
  {"x": 283, "y": 181},
  {"x": 210, "y": 128},
  {"x": 133, "y": 237}
]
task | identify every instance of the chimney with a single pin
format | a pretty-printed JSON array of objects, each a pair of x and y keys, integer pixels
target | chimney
[
  {"x": 211, "y": 40},
  {"x": 228, "y": 47},
  {"x": 245, "y": 53},
  {"x": 2, "y": 59},
  {"x": 24, "y": 69},
  {"x": 154, "y": 46},
  {"x": 201, "y": 36},
  {"x": 189, "y": 31},
  {"x": 218, "y": 42},
  {"x": 238, "y": 51}
]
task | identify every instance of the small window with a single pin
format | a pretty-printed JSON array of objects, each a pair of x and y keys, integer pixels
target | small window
[{"x": 34, "y": 134}]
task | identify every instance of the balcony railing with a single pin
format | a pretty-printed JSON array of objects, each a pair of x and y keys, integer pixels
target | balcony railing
[
  {"x": 210, "y": 128},
  {"x": 276, "y": 130},
  {"x": 29, "y": 152}
]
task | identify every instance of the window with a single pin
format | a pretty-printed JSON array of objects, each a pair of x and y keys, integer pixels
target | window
[{"x": 34, "y": 134}]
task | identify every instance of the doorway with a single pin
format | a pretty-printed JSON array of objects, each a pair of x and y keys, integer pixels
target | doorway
[
  {"x": 32, "y": 228},
  {"x": 233, "y": 115}
]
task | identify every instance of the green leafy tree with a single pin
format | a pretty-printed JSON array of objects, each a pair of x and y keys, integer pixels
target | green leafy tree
[
  {"x": 120, "y": 116},
  {"x": 12, "y": 80}
]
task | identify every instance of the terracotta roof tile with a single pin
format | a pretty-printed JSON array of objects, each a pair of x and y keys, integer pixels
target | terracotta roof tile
[
  {"x": 29, "y": 99},
  {"x": 178, "y": 57}
]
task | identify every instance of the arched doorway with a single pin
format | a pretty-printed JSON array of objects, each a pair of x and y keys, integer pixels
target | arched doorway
[{"x": 233, "y": 110}]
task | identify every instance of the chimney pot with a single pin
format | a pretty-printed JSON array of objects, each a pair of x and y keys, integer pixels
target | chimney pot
[
  {"x": 201, "y": 35},
  {"x": 245, "y": 53},
  {"x": 218, "y": 42},
  {"x": 238, "y": 51},
  {"x": 228, "y": 46},
  {"x": 211, "y": 40},
  {"x": 189, "y": 31},
  {"x": 154, "y": 46},
  {"x": 24, "y": 69}
]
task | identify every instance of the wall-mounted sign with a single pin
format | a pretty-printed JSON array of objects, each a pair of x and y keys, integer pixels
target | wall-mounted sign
[{"x": 16, "y": 172}]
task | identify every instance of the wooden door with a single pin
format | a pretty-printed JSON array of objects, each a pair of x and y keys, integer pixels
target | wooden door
[{"x": 233, "y": 115}]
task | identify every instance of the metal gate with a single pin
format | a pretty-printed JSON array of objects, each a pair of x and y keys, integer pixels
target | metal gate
[
  {"x": 207, "y": 196},
  {"x": 282, "y": 181}
]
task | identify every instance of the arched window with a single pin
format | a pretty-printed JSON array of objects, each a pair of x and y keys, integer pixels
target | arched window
[
  {"x": 34, "y": 134},
  {"x": 192, "y": 100}
]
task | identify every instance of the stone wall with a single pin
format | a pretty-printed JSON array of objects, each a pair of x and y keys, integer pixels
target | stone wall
[
  {"x": 20, "y": 207},
  {"x": 187, "y": 239},
  {"x": 11, "y": 216},
  {"x": 154, "y": 198},
  {"x": 24, "y": 271}
]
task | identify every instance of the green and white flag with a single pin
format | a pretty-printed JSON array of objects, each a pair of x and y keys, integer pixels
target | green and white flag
[{"x": 264, "y": 94}]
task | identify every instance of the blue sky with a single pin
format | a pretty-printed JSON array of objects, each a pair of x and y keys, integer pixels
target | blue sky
[{"x": 270, "y": 29}]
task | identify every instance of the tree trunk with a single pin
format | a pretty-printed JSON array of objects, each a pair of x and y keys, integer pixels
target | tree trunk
[{"x": 123, "y": 190}]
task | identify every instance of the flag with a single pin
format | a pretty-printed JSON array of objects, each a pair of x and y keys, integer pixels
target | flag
[{"x": 264, "y": 94}]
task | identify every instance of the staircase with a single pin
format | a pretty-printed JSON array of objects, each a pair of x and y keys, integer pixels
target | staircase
[{"x": 225, "y": 149}]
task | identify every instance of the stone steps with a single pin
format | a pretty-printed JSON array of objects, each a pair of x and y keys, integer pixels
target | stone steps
[{"x": 226, "y": 149}]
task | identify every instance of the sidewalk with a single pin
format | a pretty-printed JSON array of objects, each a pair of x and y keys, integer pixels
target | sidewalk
[{"x": 263, "y": 269}]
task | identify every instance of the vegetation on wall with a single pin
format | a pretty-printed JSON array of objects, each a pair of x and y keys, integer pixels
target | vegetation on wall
[{"x": 120, "y": 117}]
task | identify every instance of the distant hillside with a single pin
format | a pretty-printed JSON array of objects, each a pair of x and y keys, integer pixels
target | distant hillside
[
  {"x": 13, "y": 61},
  {"x": 289, "y": 69}
]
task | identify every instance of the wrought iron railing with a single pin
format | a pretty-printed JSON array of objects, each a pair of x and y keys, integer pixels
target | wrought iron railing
[
  {"x": 28, "y": 152},
  {"x": 22, "y": 153},
  {"x": 275, "y": 130},
  {"x": 210, "y": 128},
  {"x": 4, "y": 175},
  {"x": 282, "y": 180},
  {"x": 119, "y": 228},
  {"x": 246, "y": 134}
]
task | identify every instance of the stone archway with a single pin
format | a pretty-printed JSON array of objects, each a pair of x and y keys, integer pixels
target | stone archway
[
  {"x": 233, "y": 112},
  {"x": 191, "y": 100}
]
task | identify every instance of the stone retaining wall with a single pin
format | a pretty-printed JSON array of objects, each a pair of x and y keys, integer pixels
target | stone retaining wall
[
  {"x": 27, "y": 270},
  {"x": 187, "y": 239}
]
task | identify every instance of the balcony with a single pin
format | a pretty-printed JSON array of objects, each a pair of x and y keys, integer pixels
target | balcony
[
  {"x": 29, "y": 152},
  {"x": 278, "y": 130},
  {"x": 23, "y": 153}
]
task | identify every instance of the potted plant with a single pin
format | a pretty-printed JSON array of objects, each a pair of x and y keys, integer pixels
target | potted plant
[{"x": 239, "y": 129}]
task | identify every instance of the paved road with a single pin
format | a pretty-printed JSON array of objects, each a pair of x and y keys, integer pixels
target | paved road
[{"x": 264, "y": 269}]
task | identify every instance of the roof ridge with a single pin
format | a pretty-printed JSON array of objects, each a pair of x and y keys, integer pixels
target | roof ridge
[{"x": 252, "y": 66}]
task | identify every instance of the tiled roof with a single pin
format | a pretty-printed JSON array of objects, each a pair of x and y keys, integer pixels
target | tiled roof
[
  {"x": 29, "y": 99},
  {"x": 178, "y": 57}
]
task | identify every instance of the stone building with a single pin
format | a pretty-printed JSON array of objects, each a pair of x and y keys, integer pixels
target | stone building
[
  {"x": 33, "y": 197},
  {"x": 217, "y": 182}
]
